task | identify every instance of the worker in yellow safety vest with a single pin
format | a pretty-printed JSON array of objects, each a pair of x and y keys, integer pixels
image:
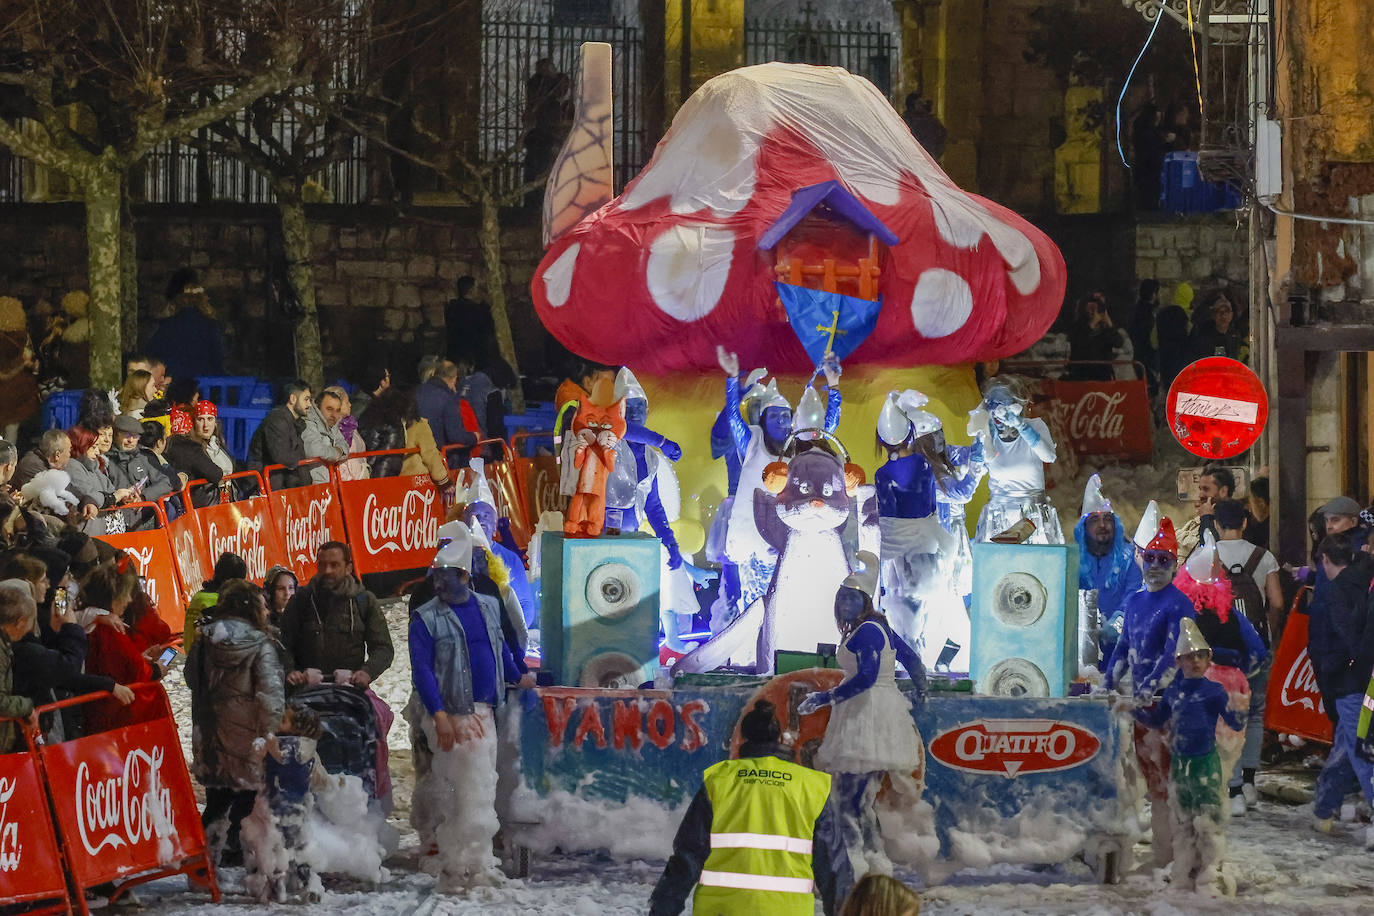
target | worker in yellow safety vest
[{"x": 759, "y": 838}]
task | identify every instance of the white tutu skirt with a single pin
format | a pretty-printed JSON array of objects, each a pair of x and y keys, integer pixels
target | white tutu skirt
[{"x": 872, "y": 731}]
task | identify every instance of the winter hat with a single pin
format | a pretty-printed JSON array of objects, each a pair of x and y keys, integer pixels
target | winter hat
[
  {"x": 479, "y": 491},
  {"x": 627, "y": 386},
  {"x": 1190, "y": 638},
  {"x": 127, "y": 425},
  {"x": 864, "y": 578},
  {"x": 1341, "y": 505},
  {"x": 1164, "y": 538},
  {"x": 1093, "y": 500},
  {"x": 810, "y": 414},
  {"x": 457, "y": 553},
  {"x": 1149, "y": 525},
  {"x": 760, "y": 724}
]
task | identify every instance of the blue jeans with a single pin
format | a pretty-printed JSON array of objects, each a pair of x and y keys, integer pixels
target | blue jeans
[
  {"x": 1343, "y": 766},
  {"x": 1254, "y": 725}
]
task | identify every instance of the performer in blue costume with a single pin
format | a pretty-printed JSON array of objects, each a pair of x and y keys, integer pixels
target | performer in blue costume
[
  {"x": 727, "y": 606},
  {"x": 643, "y": 487},
  {"x": 953, "y": 494},
  {"x": 760, "y": 445},
  {"x": 1107, "y": 572},
  {"x": 481, "y": 509},
  {"x": 871, "y": 733},
  {"x": 920, "y": 596}
]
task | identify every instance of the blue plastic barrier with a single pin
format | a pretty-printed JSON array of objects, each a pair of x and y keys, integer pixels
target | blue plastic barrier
[
  {"x": 1182, "y": 190},
  {"x": 229, "y": 390},
  {"x": 60, "y": 409},
  {"x": 239, "y": 424}
]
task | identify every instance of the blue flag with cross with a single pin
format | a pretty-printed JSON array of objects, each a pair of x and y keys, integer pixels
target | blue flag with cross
[{"x": 828, "y": 321}]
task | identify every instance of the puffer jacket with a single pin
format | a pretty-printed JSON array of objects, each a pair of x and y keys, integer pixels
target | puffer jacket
[
  {"x": 238, "y": 693},
  {"x": 378, "y": 437}
]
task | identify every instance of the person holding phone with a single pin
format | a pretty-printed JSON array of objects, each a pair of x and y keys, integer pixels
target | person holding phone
[{"x": 128, "y": 656}]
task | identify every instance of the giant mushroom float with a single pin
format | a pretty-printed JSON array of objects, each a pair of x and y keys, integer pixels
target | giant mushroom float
[{"x": 799, "y": 174}]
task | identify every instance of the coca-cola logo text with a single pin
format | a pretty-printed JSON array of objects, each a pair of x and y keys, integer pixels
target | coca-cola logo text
[
  {"x": 10, "y": 848},
  {"x": 188, "y": 557},
  {"x": 1300, "y": 685},
  {"x": 1015, "y": 746},
  {"x": 127, "y": 809},
  {"x": 413, "y": 525},
  {"x": 144, "y": 557},
  {"x": 305, "y": 533},
  {"x": 245, "y": 540}
]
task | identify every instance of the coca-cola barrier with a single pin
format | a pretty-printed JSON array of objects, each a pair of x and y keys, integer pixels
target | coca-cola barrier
[
  {"x": 1293, "y": 704},
  {"x": 389, "y": 522},
  {"x": 30, "y": 858},
  {"x": 122, "y": 801},
  {"x": 506, "y": 480}
]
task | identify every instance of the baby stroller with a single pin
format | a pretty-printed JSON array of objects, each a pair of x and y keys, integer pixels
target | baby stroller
[{"x": 349, "y": 743}]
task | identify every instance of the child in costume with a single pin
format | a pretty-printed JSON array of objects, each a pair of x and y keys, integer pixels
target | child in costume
[
  {"x": 917, "y": 552},
  {"x": 278, "y": 870},
  {"x": 1141, "y": 663},
  {"x": 870, "y": 734},
  {"x": 1190, "y": 708},
  {"x": 1017, "y": 449}
]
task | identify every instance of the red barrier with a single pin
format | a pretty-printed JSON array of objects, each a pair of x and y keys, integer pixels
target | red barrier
[
  {"x": 244, "y": 527},
  {"x": 1293, "y": 704},
  {"x": 306, "y": 517},
  {"x": 152, "y": 551},
  {"x": 121, "y": 802},
  {"x": 183, "y": 532},
  {"x": 1105, "y": 419},
  {"x": 392, "y": 522},
  {"x": 30, "y": 859},
  {"x": 539, "y": 478}
]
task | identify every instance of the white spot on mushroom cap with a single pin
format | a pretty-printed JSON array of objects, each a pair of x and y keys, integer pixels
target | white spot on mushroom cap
[
  {"x": 559, "y": 275},
  {"x": 940, "y": 303},
  {"x": 962, "y": 223},
  {"x": 687, "y": 269}
]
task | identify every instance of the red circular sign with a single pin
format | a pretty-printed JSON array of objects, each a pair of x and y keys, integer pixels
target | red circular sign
[{"x": 1217, "y": 407}]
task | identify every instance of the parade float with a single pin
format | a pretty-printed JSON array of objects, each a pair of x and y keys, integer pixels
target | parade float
[{"x": 789, "y": 223}]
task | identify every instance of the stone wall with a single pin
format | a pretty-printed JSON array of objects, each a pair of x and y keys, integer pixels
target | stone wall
[
  {"x": 1208, "y": 251},
  {"x": 381, "y": 278}
]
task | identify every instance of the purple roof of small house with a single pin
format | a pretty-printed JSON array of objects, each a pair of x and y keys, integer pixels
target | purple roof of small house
[{"x": 835, "y": 197}]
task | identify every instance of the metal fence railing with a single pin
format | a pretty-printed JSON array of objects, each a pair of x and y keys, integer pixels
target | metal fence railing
[
  {"x": 866, "y": 48},
  {"x": 513, "y": 43}
]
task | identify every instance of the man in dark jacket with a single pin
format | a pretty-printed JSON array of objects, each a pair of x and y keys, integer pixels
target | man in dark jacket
[
  {"x": 763, "y": 787},
  {"x": 333, "y": 623},
  {"x": 278, "y": 440},
  {"x": 131, "y": 468},
  {"x": 1342, "y": 653},
  {"x": 438, "y": 402},
  {"x": 1341, "y": 516}
]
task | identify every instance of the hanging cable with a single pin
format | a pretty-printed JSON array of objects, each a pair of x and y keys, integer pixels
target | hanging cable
[
  {"x": 1313, "y": 218},
  {"x": 1197, "y": 73},
  {"x": 1119, "y": 99}
]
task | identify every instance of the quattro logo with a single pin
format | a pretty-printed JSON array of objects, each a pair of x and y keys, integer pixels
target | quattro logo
[{"x": 1015, "y": 746}]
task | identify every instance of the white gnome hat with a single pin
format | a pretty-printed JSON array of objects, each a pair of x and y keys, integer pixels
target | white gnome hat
[
  {"x": 1149, "y": 526},
  {"x": 479, "y": 536},
  {"x": 479, "y": 491},
  {"x": 1202, "y": 565},
  {"x": 448, "y": 531},
  {"x": 810, "y": 413},
  {"x": 893, "y": 424},
  {"x": 771, "y": 397},
  {"x": 627, "y": 386},
  {"x": 1093, "y": 500},
  {"x": 864, "y": 578},
  {"x": 457, "y": 553},
  {"x": 1190, "y": 638}
]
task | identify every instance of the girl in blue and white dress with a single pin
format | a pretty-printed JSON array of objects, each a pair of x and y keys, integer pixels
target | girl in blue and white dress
[{"x": 871, "y": 733}]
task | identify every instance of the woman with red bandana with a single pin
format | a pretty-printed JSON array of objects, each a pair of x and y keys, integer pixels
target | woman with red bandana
[{"x": 197, "y": 450}]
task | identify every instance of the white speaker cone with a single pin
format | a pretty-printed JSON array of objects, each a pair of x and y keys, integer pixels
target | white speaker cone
[
  {"x": 1019, "y": 599},
  {"x": 613, "y": 590},
  {"x": 1015, "y": 677}
]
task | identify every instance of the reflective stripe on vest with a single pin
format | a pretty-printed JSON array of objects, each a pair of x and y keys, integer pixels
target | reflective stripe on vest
[
  {"x": 760, "y": 841},
  {"x": 747, "y": 882}
]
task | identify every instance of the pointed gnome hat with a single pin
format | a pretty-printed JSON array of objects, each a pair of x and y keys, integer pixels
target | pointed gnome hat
[
  {"x": 1148, "y": 527},
  {"x": 457, "y": 553},
  {"x": 1190, "y": 638},
  {"x": 479, "y": 491},
  {"x": 1204, "y": 565},
  {"x": 448, "y": 531},
  {"x": 627, "y": 386},
  {"x": 771, "y": 397},
  {"x": 865, "y": 575},
  {"x": 1093, "y": 500},
  {"x": 893, "y": 424},
  {"x": 810, "y": 413},
  {"x": 751, "y": 387},
  {"x": 923, "y": 421},
  {"x": 479, "y": 536},
  {"x": 1164, "y": 538}
]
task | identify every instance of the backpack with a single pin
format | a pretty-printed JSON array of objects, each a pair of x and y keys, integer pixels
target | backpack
[{"x": 1246, "y": 594}]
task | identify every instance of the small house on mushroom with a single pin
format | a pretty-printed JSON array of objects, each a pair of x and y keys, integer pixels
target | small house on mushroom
[{"x": 827, "y": 239}]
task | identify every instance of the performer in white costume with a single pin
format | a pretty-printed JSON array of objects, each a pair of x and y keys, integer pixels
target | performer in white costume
[{"x": 1017, "y": 448}]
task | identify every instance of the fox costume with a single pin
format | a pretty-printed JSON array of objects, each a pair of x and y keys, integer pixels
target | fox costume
[{"x": 596, "y": 428}]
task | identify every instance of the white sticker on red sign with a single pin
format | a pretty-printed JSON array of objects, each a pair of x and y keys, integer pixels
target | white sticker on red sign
[
  {"x": 1214, "y": 408},
  {"x": 1012, "y": 747}
]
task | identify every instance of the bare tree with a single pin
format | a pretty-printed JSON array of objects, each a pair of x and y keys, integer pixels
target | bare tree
[{"x": 104, "y": 82}]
